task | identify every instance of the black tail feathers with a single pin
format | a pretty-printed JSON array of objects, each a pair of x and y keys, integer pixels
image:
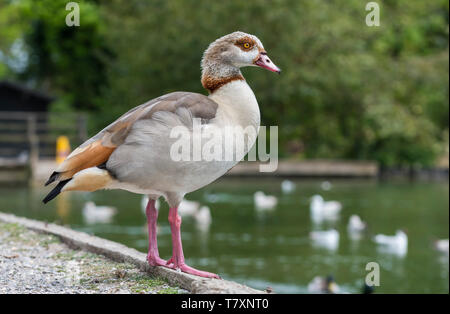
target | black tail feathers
[
  {"x": 54, "y": 193},
  {"x": 55, "y": 175}
]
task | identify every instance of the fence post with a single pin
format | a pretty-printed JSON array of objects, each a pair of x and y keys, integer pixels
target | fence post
[
  {"x": 82, "y": 128},
  {"x": 33, "y": 142}
]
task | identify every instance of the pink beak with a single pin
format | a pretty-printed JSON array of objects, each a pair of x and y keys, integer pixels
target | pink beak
[{"x": 264, "y": 61}]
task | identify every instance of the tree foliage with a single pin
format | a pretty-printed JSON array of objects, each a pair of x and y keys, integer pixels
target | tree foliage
[
  {"x": 66, "y": 61},
  {"x": 347, "y": 90}
]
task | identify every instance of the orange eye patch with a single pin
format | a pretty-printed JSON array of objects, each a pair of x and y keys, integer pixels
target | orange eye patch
[{"x": 245, "y": 43}]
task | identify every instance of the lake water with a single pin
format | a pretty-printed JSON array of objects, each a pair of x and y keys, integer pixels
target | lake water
[{"x": 273, "y": 248}]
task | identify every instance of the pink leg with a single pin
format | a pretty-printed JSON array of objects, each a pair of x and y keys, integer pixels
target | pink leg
[
  {"x": 153, "y": 254},
  {"x": 177, "y": 249}
]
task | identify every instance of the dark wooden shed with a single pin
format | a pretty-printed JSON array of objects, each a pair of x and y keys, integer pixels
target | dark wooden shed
[
  {"x": 20, "y": 108},
  {"x": 16, "y": 97}
]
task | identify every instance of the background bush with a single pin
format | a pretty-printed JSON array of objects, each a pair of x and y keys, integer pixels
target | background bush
[{"x": 346, "y": 91}]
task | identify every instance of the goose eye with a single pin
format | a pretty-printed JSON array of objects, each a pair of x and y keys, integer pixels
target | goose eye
[{"x": 246, "y": 45}]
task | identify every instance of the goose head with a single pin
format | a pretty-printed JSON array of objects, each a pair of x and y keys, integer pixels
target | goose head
[{"x": 225, "y": 56}]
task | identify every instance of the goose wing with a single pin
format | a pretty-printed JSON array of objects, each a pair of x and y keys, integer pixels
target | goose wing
[{"x": 97, "y": 150}]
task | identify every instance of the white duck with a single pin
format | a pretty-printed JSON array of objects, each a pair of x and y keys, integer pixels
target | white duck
[
  {"x": 287, "y": 186},
  {"x": 328, "y": 239},
  {"x": 356, "y": 225},
  {"x": 442, "y": 246},
  {"x": 396, "y": 244},
  {"x": 203, "y": 218},
  {"x": 322, "y": 210},
  {"x": 193, "y": 209},
  {"x": 137, "y": 152},
  {"x": 264, "y": 202},
  {"x": 188, "y": 208},
  {"x": 93, "y": 214}
]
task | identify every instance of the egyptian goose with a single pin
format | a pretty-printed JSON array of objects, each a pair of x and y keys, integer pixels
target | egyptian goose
[{"x": 134, "y": 152}]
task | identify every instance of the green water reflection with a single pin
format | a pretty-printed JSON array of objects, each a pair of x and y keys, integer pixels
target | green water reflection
[{"x": 272, "y": 248}]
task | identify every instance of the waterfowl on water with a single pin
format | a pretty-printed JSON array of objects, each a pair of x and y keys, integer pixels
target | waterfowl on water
[
  {"x": 356, "y": 225},
  {"x": 287, "y": 186},
  {"x": 396, "y": 244},
  {"x": 327, "y": 239},
  {"x": 263, "y": 201},
  {"x": 93, "y": 214},
  {"x": 203, "y": 218},
  {"x": 188, "y": 208},
  {"x": 441, "y": 245},
  {"x": 323, "y": 285},
  {"x": 322, "y": 210},
  {"x": 134, "y": 152}
]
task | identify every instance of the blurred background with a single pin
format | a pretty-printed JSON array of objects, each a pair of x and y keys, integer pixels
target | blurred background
[{"x": 363, "y": 117}]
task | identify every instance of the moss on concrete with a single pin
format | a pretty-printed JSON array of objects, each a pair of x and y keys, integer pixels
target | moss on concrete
[{"x": 93, "y": 272}]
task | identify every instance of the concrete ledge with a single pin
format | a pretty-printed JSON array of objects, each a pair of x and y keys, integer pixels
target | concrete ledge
[
  {"x": 310, "y": 168},
  {"x": 286, "y": 168},
  {"x": 13, "y": 171},
  {"x": 121, "y": 253}
]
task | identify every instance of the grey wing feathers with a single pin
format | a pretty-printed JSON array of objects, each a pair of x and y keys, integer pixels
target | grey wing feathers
[
  {"x": 199, "y": 105},
  {"x": 98, "y": 148}
]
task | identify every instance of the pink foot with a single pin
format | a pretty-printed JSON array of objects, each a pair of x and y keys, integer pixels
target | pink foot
[
  {"x": 170, "y": 261},
  {"x": 189, "y": 270},
  {"x": 177, "y": 259},
  {"x": 155, "y": 261}
]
